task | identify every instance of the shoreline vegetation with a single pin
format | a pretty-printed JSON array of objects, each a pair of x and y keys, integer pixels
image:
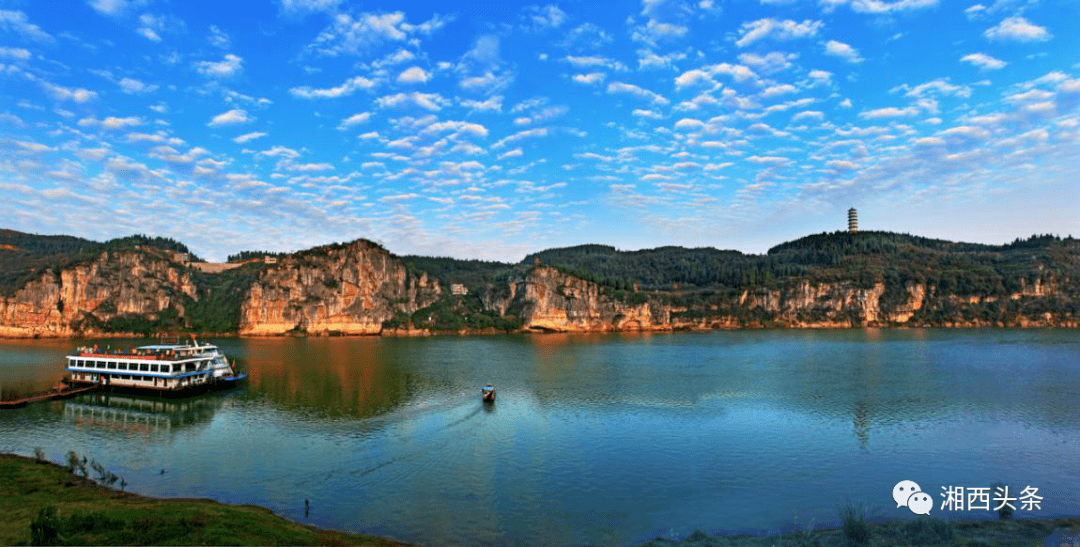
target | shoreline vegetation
[
  {"x": 44, "y": 503},
  {"x": 47, "y": 503}
]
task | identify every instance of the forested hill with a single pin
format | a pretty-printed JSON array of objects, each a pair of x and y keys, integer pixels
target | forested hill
[
  {"x": 863, "y": 257},
  {"x": 26, "y": 256},
  {"x": 68, "y": 286}
]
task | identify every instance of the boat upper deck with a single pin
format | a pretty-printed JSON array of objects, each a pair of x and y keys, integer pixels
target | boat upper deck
[{"x": 170, "y": 353}]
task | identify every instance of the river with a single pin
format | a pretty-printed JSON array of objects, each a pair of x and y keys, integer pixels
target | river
[{"x": 594, "y": 439}]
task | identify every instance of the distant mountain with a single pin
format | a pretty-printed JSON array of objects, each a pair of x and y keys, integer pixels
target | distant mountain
[{"x": 68, "y": 286}]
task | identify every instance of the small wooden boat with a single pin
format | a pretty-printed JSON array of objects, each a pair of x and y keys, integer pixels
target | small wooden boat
[{"x": 488, "y": 393}]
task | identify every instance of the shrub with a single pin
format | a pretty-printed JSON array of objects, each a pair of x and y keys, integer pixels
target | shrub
[
  {"x": 44, "y": 529},
  {"x": 855, "y": 531},
  {"x": 39, "y": 454},
  {"x": 1006, "y": 512},
  {"x": 927, "y": 531}
]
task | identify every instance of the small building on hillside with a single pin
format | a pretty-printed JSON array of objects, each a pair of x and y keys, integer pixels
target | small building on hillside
[{"x": 457, "y": 289}]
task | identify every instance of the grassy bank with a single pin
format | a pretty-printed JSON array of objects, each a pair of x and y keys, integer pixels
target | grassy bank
[
  {"x": 927, "y": 531},
  {"x": 89, "y": 514}
]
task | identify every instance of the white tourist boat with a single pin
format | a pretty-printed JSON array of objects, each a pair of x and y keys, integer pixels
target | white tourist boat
[{"x": 162, "y": 368}]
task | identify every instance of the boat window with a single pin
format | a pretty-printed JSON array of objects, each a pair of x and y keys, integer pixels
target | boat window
[
  {"x": 153, "y": 368},
  {"x": 144, "y": 367},
  {"x": 123, "y": 366},
  {"x": 111, "y": 365}
]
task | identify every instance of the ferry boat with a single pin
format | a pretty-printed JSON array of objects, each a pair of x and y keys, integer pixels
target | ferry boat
[{"x": 162, "y": 368}]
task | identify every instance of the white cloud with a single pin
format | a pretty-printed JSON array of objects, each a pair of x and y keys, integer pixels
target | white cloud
[
  {"x": 132, "y": 86},
  {"x": 231, "y": 117},
  {"x": 491, "y": 104},
  {"x": 396, "y": 58},
  {"x": 879, "y": 6},
  {"x": 474, "y": 129},
  {"x": 229, "y": 66},
  {"x": 111, "y": 122},
  {"x": 358, "y": 35},
  {"x": 542, "y": 115},
  {"x": 786, "y": 29},
  {"x": 14, "y": 53},
  {"x": 654, "y": 31},
  {"x": 348, "y": 88},
  {"x": 689, "y": 124},
  {"x": 515, "y": 153},
  {"x": 542, "y": 18},
  {"x": 1019, "y": 29},
  {"x": 306, "y": 167},
  {"x": 17, "y": 22},
  {"x": 293, "y": 7},
  {"x": 248, "y": 137},
  {"x": 523, "y": 134},
  {"x": 355, "y": 119},
  {"x": 843, "y": 51},
  {"x": 808, "y": 115},
  {"x": 413, "y": 75},
  {"x": 641, "y": 113},
  {"x": 218, "y": 38},
  {"x": 889, "y": 112},
  {"x": 114, "y": 8},
  {"x": 940, "y": 86},
  {"x": 590, "y": 78},
  {"x": 584, "y": 61},
  {"x": 150, "y": 25},
  {"x": 74, "y": 94},
  {"x": 283, "y": 152},
  {"x": 773, "y": 160},
  {"x": 647, "y": 59},
  {"x": 693, "y": 77},
  {"x": 777, "y": 90},
  {"x": 769, "y": 63},
  {"x": 820, "y": 77},
  {"x": 620, "y": 87},
  {"x": 428, "y": 101},
  {"x": 983, "y": 61}
]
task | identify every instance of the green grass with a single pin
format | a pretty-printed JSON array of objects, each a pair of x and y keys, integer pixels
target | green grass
[
  {"x": 912, "y": 532},
  {"x": 66, "y": 509}
]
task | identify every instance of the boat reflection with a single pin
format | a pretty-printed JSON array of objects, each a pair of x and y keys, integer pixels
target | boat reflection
[{"x": 141, "y": 414}]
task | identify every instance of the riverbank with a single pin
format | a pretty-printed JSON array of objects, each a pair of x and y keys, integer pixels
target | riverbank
[
  {"x": 1056, "y": 532},
  {"x": 87, "y": 513}
]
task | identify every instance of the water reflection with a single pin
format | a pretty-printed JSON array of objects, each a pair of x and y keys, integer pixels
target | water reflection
[
  {"x": 333, "y": 377},
  {"x": 130, "y": 413},
  {"x": 597, "y": 439}
]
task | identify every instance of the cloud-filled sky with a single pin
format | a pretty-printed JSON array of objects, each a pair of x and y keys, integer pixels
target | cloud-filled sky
[{"x": 491, "y": 130}]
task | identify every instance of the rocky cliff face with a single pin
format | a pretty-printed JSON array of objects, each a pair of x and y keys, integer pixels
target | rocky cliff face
[
  {"x": 553, "y": 301},
  {"x": 359, "y": 287},
  {"x": 351, "y": 289},
  {"x": 77, "y": 300}
]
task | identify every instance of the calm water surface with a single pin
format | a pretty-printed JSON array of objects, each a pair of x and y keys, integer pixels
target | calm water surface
[{"x": 606, "y": 439}]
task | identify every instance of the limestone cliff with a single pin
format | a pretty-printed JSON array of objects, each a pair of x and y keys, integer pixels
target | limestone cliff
[
  {"x": 361, "y": 288},
  {"x": 556, "y": 302},
  {"x": 81, "y": 298},
  {"x": 347, "y": 289}
]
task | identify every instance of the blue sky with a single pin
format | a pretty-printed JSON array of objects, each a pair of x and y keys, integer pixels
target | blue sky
[{"x": 484, "y": 130}]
